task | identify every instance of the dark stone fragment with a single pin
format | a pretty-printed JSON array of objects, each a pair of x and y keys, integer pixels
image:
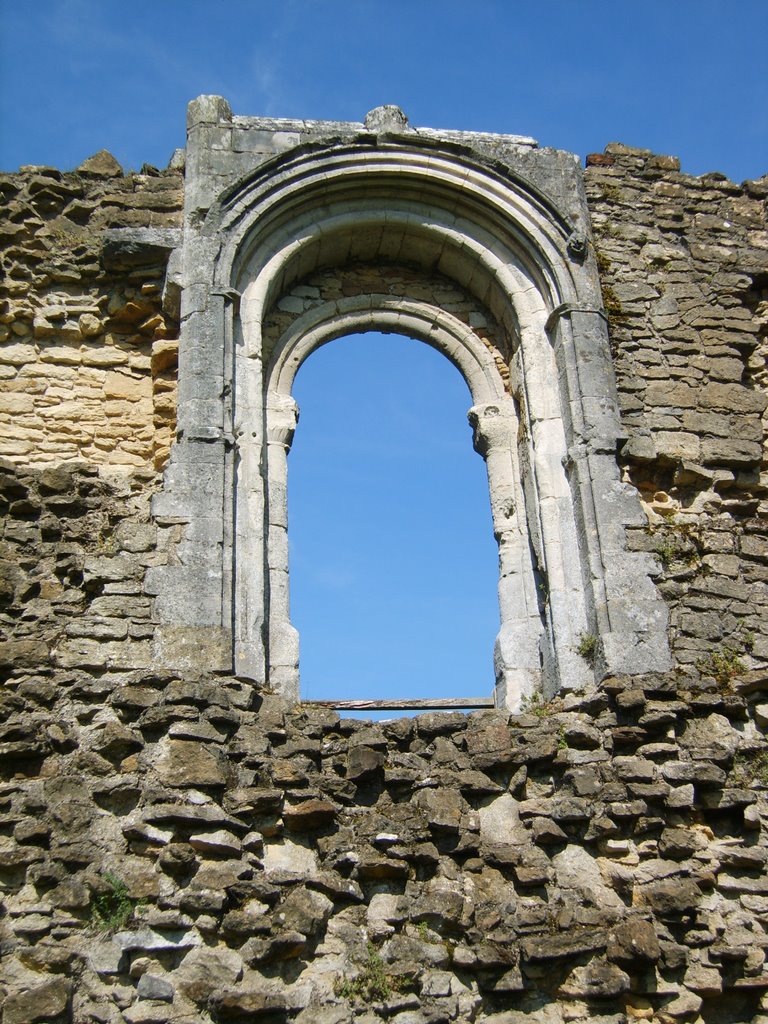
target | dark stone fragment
[
  {"x": 308, "y": 815},
  {"x": 727, "y": 799},
  {"x": 489, "y": 746},
  {"x": 240, "y": 923},
  {"x": 100, "y": 165},
  {"x": 629, "y": 736},
  {"x": 671, "y": 898},
  {"x": 116, "y": 741},
  {"x": 600, "y": 160},
  {"x": 56, "y": 480},
  {"x": 673, "y": 956},
  {"x": 32, "y": 832},
  {"x": 583, "y": 781},
  {"x": 244, "y": 802},
  {"x": 510, "y": 981},
  {"x": 247, "y": 1004},
  {"x": 477, "y": 783},
  {"x": 633, "y": 940},
  {"x": 679, "y": 843},
  {"x": 597, "y": 980},
  {"x": 127, "y": 253},
  {"x": 305, "y": 911},
  {"x": 533, "y": 746},
  {"x": 436, "y": 723},
  {"x": 152, "y": 987},
  {"x": 547, "y": 833},
  {"x": 564, "y": 944},
  {"x": 701, "y": 773},
  {"x": 570, "y": 809},
  {"x": 425, "y": 854},
  {"x": 70, "y": 895},
  {"x": 23, "y": 654},
  {"x": 285, "y": 946},
  {"x": 177, "y": 859},
  {"x": 42, "y": 1002},
  {"x": 629, "y": 699},
  {"x": 375, "y": 867},
  {"x": 364, "y": 762}
]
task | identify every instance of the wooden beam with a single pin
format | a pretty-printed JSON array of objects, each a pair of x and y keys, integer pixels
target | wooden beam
[{"x": 450, "y": 703}]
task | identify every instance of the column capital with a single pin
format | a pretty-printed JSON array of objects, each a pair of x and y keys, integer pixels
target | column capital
[
  {"x": 494, "y": 426},
  {"x": 282, "y": 417}
]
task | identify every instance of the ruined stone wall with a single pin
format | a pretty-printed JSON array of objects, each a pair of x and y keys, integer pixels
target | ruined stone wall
[
  {"x": 87, "y": 353},
  {"x": 184, "y": 848},
  {"x": 684, "y": 268}
]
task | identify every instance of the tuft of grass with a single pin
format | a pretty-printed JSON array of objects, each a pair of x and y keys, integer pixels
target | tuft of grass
[
  {"x": 535, "y": 705},
  {"x": 723, "y": 665},
  {"x": 587, "y": 648},
  {"x": 112, "y": 909},
  {"x": 748, "y": 639},
  {"x": 371, "y": 985},
  {"x": 750, "y": 766}
]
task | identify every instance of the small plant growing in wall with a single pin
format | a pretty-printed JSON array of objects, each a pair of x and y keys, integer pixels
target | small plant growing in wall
[
  {"x": 534, "y": 704},
  {"x": 112, "y": 908},
  {"x": 723, "y": 665},
  {"x": 587, "y": 648},
  {"x": 371, "y": 985},
  {"x": 750, "y": 767}
]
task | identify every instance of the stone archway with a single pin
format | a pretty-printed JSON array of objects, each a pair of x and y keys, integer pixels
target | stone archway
[{"x": 507, "y": 231}]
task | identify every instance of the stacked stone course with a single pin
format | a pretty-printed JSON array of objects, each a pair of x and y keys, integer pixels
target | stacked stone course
[{"x": 182, "y": 847}]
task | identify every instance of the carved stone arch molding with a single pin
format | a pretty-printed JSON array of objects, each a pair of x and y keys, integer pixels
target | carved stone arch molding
[{"x": 273, "y": 206}]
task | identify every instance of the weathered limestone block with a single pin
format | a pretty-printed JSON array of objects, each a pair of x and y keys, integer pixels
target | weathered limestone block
[{"x": 185, "y": 763}]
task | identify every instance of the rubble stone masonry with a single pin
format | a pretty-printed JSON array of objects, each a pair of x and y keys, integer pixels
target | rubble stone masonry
[{"x": 179, "y": 847}]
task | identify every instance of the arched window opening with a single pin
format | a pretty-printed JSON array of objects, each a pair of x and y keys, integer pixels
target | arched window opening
[{"x": 393, "y": 559}]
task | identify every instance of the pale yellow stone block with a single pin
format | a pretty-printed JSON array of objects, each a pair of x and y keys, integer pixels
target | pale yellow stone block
[
  {"x": 90, "y": 325},
  {"x": 15, "y": 450},
  {"x": 60, "y": 354},
  {"x": 76, "y": 412},
  {"x": 120, "y": 385},
  {"x": 104, "y": 357},
  {"x": 17, "y": 355},
  {"x": 16, "y": 403},
  {"x": 28, "y": 385},
  {"x": 73, "y": 393},
  {"x": 118, "y": 409},
  {"x": 48, "y": 371}
]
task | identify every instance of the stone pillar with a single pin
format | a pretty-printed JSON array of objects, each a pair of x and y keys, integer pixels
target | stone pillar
[
  {"x": 517, "y": 660},
  {"x": 283, "y": 639}
]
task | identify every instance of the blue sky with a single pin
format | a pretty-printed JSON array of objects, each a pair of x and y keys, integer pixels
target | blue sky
[{"x": 393, "y": 567}]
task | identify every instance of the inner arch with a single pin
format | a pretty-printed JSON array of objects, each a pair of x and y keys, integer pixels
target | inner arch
[{"x": 393, "y": 561}]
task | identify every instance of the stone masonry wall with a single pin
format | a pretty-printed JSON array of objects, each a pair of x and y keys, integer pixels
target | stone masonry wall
[
  {"x": 87, "y": 353},
  {"x": 187, "y": 849},
  {"x": 684, "y": 266}
]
